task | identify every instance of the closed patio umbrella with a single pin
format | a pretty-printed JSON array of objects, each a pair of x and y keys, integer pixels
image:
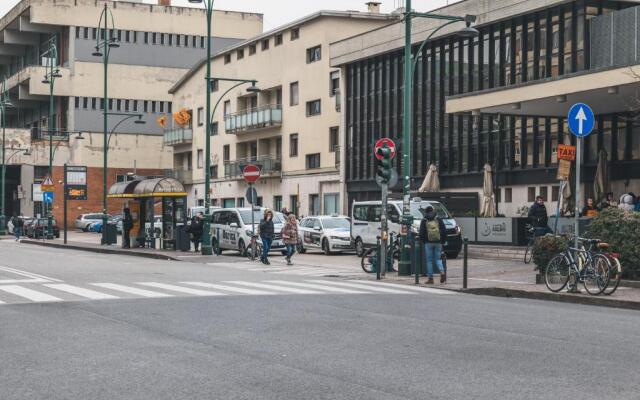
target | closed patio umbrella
[
  {"x": 431, "y": 182},
  {"x": 601, "y": 181},
  {"x": 488, "y": 202}
]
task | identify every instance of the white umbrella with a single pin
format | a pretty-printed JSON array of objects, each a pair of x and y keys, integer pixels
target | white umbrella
[
  {"x": 601, "y": 181},
  {"x": 488, "y": 202},
  {"x": 431, "y": 182}
]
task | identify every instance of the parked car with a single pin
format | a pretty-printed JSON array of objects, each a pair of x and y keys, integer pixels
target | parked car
[
  {"x": 114, "y": 220},
  {"x": 329, "y": 233},
  {"x": 26, "y": 221},
  {"x": 84, "y": 221},
  {"x": 37, "y": 228},
  {"x": 365, "y": 223},
  {"x": 231, "y": 228}
]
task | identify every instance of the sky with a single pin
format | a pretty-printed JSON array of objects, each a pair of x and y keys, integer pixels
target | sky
[{"x": 279, "y": 12}]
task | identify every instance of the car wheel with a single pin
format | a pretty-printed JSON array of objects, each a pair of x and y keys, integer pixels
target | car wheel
[
  {"x": 325, "y": 247},
  {"x": 452, "y": 256},
  {"x": 86, "y": 228},
  {"x": 359, "y": 247}
]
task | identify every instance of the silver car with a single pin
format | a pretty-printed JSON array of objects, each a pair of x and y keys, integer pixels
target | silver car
[
  {"x": 331, "y": 234},
  {"x": 84, "y": 221}
]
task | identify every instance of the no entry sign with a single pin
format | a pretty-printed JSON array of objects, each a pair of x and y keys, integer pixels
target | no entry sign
[
  {"x": 251, "y": 173},
  {"x": 381, "y": 143}
]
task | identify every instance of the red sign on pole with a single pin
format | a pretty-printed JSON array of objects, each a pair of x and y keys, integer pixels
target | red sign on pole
[
  {"x": 380, "y": 143},
  {"x": 251, "y": 173}
]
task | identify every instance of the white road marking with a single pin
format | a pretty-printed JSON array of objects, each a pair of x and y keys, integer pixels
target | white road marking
[
  {"x": 131, "y": 290},
  {"x": 82, "y": 292},
  {"x": 361, "y": 286},
  {"x": 180, "y": 289},
  {"x": 229, "y": 288},
  {"x": 408, "y": 287},
  {"x": 274, "y": 287},
  {"x": 29, "y": 294},
  {"x": 320, "y": 287},
  {"x": 30, "y": 275}
]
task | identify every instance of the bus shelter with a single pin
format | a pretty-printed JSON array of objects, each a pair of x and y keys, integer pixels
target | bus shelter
[{"x": 158, "y": 207}]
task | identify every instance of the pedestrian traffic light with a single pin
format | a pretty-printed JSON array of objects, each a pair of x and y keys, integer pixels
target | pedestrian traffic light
[{"x": 384, "y": 163}]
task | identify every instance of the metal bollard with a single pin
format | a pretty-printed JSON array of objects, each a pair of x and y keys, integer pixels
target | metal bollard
[
  {"x": 379, "y": 262},
  {"x": 465, "y": 262},
  {"x": 419, "y": 254}
]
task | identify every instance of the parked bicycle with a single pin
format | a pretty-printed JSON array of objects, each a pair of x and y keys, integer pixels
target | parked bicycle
[
  {"x": 580, "y": 265},
  {"x": 615, "y": 270},
  {"x": 531, "y": 240},
  {"x": 370, "y": 258},
  {"x": 254, "y": 250}
]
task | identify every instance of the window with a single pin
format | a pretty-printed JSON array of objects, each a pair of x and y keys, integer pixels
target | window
[
  {"x": 313, "y": 108},
  {"x": 94, "y": 33},
  {"x": 226, "y": 153},
  {"x": 194, "y": 41},
  {"x": 127, "y": 36},
  {"x": 293, "y": 203},
  {"x": 153, "y": 106},
  {"x": 110, "y": 104},
  {"x": 313, "y": 161},
  {"x": 531, "y": 194},
  {"x": 135, "y": 37},
  {"x": 118, "y": 105},
  {"x": 77, "y": 101},
  {"x": 215, "y": 85},
  {"x": 93, "y": 103},
  {"x": 265, "y": 44},
  {"x": 78, "y": 32},
  {"x": 544, "y": 192},
  {"x": 278, "y": 40},
  {"x": 361, "y": 213},
  {"x": 200, "y": 159},
  {"x": 314, "y": 204},
  {"x": 331, "y": 203},
  {"x": 314, "y": 54},
  {"x": 146, "y": 106},
  {"x": 86, "y": 33},
  {"x": 202, "y": 42},
  {"x": 200, "y": 114},
  {"x": 333, "y": 139},
  {"x": 252, "y": 49},
  {"x": 171, "y": 39},
  {"x": 161, "y": 106},
  {"x": 334, "y": 83},
  {"x": 294, "y": 95},
  {"x": 293, "y": 145},
  {"x": 146, "y": 38},
  {"x": 295, "y": 33},
  {"x": 240, "y": 202},
  {"x": 154, "y": 38},
  {"x": 213, "y": 172},
  {"x": 126, "y": 105},
  {"x": 508, "y": 195},
  {"x": 214, "y": 128},
  {"x": 555, "y": 193},
  {"x": 277, "y": 203},
  {"x": 162, "y": 38},
  {"x": 227, "y": 107},
  {"x": 227, "y": 58},
  {"x": 101, "y": 104},
  {"x": 135, "y": 105},
  {"x": 178, "y": 36},
  {"x": 84, "y": 103},
  {"x": 228, "y": 203},
  {"x": 240, "y": 54}
]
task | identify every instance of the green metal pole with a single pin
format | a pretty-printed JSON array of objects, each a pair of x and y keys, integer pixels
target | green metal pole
[
  {"x": 4, "y": 169},
  {"x": 105, "y": 111},
  {"x": 52, "y": 127},
  {"x": 206, "y": 248},
  {"x": 404, "y": 265}
]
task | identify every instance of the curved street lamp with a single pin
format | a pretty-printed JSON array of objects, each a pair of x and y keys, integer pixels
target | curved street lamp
[{"x": 4, "y": 103}]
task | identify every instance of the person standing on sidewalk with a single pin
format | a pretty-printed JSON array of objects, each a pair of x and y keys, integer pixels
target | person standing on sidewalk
[
  {"x": 433, "y": 234},
  {"x": 18, "y": 224},
  {"x": 127, "y": 225},
  {"x": 290, "y": 236},
  {"x": 538, "y": 217},
  {"x": 266, "y": 235},
  {"x": 196, "y": 229}
]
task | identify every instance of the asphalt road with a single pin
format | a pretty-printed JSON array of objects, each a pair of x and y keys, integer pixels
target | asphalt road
[{"x": 319, "y": 345}]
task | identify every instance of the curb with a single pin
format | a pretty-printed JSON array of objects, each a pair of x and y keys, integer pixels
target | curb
[
  {"x": 548, "y": 296},
  {"x": 154, "y": 256}
]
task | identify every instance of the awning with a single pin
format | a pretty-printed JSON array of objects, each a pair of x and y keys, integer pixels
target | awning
[{"x": 159, "y": 187}]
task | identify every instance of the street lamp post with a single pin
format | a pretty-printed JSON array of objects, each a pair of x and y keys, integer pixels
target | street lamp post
[
  {"x": 4, "y": 103},
  {"x": 51, "y": 73},
  {"x": 206, "y": 236},
  {"x": 104, "y": 44},
  {"x": 404, "y": 266}
]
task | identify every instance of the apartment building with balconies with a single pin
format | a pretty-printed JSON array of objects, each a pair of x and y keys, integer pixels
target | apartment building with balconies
[
  {"x": 291, "y": 127},
  {"x": 158, "y": 43}
]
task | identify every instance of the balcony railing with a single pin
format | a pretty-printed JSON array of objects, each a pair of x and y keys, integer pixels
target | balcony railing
[
  {"x": 269, "y": 165},
  {"x": 43, "y": 134},
  {"x": 253, "y": 119},
  {"x": 178, "y": 136},
  {"x": 182, "y": 175}
]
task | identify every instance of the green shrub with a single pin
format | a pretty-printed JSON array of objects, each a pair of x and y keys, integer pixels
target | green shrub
[
  {"x": 621, "y": 229},
  {"x": 547, "y": 247}
]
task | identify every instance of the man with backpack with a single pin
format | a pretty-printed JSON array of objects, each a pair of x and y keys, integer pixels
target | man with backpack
[
  {"x": 433, "y": 234},
  {"x": 18, "y": 224}
]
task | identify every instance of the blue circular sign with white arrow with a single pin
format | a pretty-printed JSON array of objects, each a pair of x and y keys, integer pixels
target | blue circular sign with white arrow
[{"x": 581, "y": 120}]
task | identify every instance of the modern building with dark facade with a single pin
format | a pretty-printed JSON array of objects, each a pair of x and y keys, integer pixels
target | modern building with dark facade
[{"x": 500, "y": 98}]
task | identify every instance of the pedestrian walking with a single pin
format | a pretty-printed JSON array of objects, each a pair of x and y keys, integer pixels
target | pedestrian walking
[
  {"x": 539, "y": 218},
  {"x": 433, "y": 234},
  {"x": 266, "y": 235},
  {"x": 196, "y": 229},
  {"x": 18, "y": 224},
  {"x": 290, "y": 236},
  {"x": 127, "y": 225}
]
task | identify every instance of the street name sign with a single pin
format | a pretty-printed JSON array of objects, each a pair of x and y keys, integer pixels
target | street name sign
[{"x": 581, "y": 120}]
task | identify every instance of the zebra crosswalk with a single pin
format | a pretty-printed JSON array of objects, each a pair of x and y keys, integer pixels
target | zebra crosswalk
[
  {"x": 302, "y": 270},
  {"x": 65, "y": 292}
]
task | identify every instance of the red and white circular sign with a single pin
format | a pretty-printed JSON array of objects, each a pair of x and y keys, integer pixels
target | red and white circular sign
[
  {"x": 380, "y": 143},
  {"x": 251, "y": 173}
]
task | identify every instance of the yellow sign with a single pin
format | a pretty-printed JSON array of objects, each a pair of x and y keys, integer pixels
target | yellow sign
[
  {"x": 566, "y": 152},
  {"x": 47, "y": 185},
  {"x": 564, "y": 170}
]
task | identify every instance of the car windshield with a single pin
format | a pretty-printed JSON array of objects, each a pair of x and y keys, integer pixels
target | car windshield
[
  {"x": 334, "y": 223},
  {"x": 417, "y": 210},
  {"x": 278, "y": 218}
]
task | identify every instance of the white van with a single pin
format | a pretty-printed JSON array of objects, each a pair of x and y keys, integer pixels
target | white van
[
  {"x": 365, "y": 223},
  {"x": 231, "y": 228}
]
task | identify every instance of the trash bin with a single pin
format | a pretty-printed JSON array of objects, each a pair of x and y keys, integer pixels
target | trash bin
[
  {"x": 112, "y": 234},
  {"x": 183, "y": 240}
]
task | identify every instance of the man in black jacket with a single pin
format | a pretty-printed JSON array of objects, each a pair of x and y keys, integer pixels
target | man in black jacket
[
  {"x": 538, "y": 217},
  {"x": 433, "y": 233},
  {"x": 127, "y": 225},
  {"x": 196, "y": 229}
]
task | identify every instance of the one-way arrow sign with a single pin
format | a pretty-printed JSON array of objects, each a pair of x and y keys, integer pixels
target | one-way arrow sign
[{"x": 581, "y": 120}]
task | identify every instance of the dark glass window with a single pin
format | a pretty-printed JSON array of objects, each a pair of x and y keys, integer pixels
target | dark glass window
[
  {"x": 313, "y": 161},
  {"x": 313, "y": 108},
  {"x": 293, "y": 145},
  {"x": 314, "y": 54}
]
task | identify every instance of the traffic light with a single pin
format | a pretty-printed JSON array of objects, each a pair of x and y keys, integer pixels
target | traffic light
[{"x": 384, "y": 163}]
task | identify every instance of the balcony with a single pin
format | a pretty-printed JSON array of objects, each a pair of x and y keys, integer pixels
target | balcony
[
  {"x": 264, "y": 117},
  {"x": 176, "y": 137},
  {"x": 269, "y": 166},
  {"x": 38, "y": 134},
  {"x": 184, "y": 176}
]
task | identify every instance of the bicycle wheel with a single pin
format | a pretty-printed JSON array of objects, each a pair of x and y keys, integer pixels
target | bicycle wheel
[
  {"x": 595, "y": 275},
  {"x": 557, "y": 273},
  {"x": 528, "y": 254},
  {"x": 615, "y": 275},
  {"x": 368, "y": 261}
]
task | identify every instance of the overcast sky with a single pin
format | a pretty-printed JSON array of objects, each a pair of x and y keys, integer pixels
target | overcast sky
[{"x": 279, "y": 12}]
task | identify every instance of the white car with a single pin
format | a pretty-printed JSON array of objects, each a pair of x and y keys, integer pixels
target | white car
[
  {"x": 331, "y": 234},
  {"x": 84, "y": 221},
  {"x": 231, "y": 228}
]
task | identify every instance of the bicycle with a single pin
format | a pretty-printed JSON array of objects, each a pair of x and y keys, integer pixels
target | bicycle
[
  {"x": 615, "y": 270},
  {"x": 255, "y": 244},
  {"x": 531, "y": 240},
  {"x": 369, "y": 261},
  {"x": 592, "y": 270}
]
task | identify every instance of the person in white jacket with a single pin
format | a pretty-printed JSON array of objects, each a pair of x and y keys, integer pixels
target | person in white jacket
[{"x": 626, "y": 202}]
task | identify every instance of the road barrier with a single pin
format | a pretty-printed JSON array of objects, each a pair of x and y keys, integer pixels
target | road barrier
[{"x": 465, "y": 261}]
